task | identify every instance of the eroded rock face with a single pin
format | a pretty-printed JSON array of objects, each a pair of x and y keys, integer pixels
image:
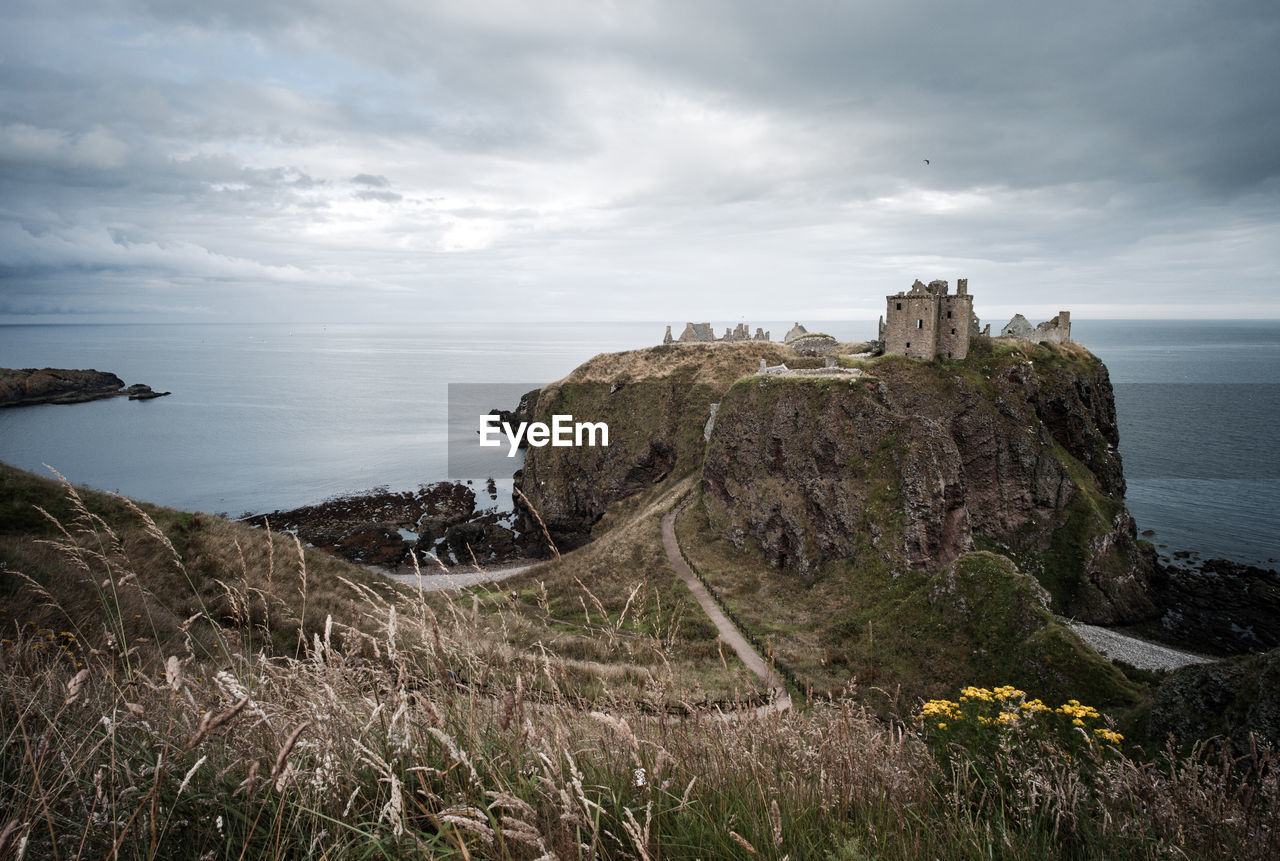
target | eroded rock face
[
  {"x": 817, "y": 478},
  {"x": 916, "y": 465},
  {"x": 1013, "y": 449},
  {"x": 656, "y": 402}
]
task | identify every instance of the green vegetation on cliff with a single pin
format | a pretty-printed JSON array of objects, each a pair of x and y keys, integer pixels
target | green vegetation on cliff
[{"x": 912, "y": 633}]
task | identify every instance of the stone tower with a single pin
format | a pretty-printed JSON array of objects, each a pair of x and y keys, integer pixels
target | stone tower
[{"x": 928, "y": 322}]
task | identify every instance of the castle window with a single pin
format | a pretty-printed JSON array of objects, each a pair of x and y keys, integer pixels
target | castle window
[
  {"x": 948, "y": 315},
  {"x": 908, "y": 345},
  {"x": 953, "y": 331},
  {"x": 919, "y": 324},
  {"x": 899, "y": 308}
]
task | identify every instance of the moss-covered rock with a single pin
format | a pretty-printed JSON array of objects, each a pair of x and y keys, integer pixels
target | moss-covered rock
[
  {"x": 1230, "y": 699},
  {"x": 909, "y": 633},
  {"x": 996, "y": 611}
]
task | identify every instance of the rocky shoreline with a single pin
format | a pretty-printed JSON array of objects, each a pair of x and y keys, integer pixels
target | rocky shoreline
[
  {"x": 440, "y": 523},
  {"x": 1215, "y": 606},
  {"x": 21, "y": 387}
]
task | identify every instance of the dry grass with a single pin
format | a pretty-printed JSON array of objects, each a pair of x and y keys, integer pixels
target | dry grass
[
  {"x": 712, "y": 364},
  {"x": 408, "y": 730},
  {"x": 618, "y": 603}
]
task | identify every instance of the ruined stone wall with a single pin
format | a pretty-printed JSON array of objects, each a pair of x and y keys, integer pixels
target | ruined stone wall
[
  {"x": 696, "y": 333},
  {"x": 912, "y": 329},
  {"x": 701, "y": 333},
  {"x": 894, "y": 330},
  {"x": 954, "y": 326},
  {"x": 1055, "y": 331}
]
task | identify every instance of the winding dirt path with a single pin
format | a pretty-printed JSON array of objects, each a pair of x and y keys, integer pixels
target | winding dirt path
[{"x": 779, "y": 699}]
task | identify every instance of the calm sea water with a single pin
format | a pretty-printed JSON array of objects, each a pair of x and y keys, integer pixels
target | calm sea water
[
  {"x": 275, "y": 416},
  {"x": 1199, "y": 411}
]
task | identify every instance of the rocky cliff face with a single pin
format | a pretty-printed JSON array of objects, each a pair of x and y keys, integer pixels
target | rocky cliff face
[
  {"x": 920, "y": 462},
  {"x": 656, "y": 402},
  {"x": 914, "y": 464},
  {"x": 1234, "y": 701}
]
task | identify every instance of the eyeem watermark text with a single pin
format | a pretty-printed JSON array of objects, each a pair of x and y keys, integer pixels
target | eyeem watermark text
[
  {"x": 481, "y": 447},
  {"x": 562, "y": 432}
]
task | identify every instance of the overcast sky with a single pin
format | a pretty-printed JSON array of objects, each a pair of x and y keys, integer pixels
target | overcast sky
[{"x": 415, "y": 160}]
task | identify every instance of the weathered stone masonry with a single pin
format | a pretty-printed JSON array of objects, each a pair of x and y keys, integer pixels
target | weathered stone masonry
[
  {"x": 929, "y": 322},
  {"x": 1055, "y": 331},
  {"x": 701, "y": 333}
]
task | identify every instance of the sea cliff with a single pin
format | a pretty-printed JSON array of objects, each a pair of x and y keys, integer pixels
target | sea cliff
[{"x": 906, "y": 465}]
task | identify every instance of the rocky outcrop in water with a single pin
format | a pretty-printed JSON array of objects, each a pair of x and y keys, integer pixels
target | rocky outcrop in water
[
  {"x": 29, "y": 386},
  {"x": 1218, "y": 607},
  {"x": 385, "y": 528}
]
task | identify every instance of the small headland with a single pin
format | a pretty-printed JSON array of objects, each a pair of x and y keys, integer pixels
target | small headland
[{"x": 23, "y": 387}]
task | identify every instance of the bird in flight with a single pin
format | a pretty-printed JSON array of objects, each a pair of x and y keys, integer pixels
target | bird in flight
[{"x": 926, "y": 161}]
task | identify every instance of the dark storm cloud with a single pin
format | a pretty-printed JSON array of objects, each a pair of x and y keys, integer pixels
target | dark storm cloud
[{"x": 697, "y": 154}]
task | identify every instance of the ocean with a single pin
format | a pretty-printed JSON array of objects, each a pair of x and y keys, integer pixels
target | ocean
[{"x": 273, "y": 416}]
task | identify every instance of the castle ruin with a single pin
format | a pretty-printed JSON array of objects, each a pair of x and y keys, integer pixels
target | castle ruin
[
  {"x": 929, "y": 322},
  {"x": 701, "y": 333},
  {"x": 1055, "y": 331},
  {"x": 926, "y": 322}
]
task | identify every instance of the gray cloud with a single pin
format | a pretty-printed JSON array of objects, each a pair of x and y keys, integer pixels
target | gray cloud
[
  {"x": 585, "y": 160},
  {"x": 384, "y": 196}
]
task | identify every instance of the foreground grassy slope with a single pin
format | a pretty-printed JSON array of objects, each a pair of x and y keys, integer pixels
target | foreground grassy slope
[
  {"x": 405, "y": 728},
  {"x": 194, "y": 573},
  {"x": 618, "y": 616},
  {"x": 614, "y": 615}
]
